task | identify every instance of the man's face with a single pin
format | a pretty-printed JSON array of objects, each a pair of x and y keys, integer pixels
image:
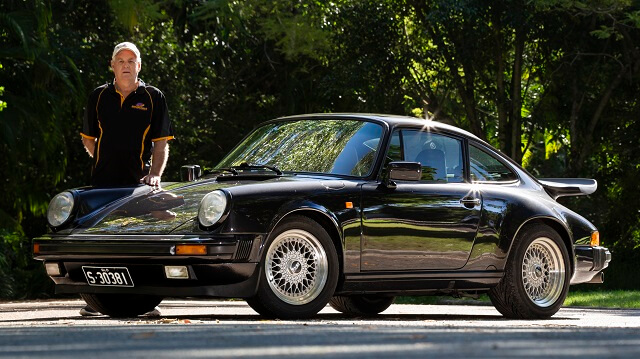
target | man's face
[{"x": 125, "y": 66}]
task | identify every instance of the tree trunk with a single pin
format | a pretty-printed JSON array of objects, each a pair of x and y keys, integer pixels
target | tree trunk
[
  {"x": 501, "y": 101},
  {"x": 516, "y": 98}
]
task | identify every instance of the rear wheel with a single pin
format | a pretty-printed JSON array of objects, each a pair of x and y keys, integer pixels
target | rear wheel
[
  {"x": 361, "y": 304},
  {"x": 122, "y": 305},
  {"x": 299, "y": 271},
  {"x": 536, "y": 280}
]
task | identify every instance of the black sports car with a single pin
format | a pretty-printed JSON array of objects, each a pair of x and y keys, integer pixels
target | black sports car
[{"x": 345, "y": 209}]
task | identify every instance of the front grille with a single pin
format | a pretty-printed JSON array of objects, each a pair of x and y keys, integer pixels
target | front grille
[{"x": 243, "y": 250}]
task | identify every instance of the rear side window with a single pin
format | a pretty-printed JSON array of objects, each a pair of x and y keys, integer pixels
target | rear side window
[{"x": 486, "y": 168}]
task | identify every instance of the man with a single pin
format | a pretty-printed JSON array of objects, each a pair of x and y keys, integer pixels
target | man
[
  {"x": 126, "y": 129},
  {"x": 126, "y": 126}
]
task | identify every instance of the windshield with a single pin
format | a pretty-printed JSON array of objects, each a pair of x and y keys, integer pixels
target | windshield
[{"x": 346, "y": 147}]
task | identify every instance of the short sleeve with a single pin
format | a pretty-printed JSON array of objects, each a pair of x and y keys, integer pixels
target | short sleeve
[
  {"x": 161, "y": 128},
  {"x": 90, "y": 127}
]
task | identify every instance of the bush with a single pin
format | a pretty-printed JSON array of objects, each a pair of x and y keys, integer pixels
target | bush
[{"x": 21, "y": 277}]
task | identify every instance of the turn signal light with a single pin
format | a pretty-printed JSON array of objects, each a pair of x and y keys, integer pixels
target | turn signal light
[
  {"x": 595, "y": 239},
  {"x": 36, "y": 248},
  {"x": 191, "y": 249}
]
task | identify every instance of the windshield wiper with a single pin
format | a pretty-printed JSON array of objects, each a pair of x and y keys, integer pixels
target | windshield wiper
[
  {"x": 248, "y": 166},
  {"x": 218, "y": 170}
]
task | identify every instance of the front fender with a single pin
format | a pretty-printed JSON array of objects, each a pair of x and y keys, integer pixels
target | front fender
[{"x": 301, "y": 206}]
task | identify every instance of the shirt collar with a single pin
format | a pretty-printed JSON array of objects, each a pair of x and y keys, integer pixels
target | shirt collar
[{"x": 141, "y": 85}]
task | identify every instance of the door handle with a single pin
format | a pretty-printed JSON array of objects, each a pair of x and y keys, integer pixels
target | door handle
[{"x": 470, "y": 202}]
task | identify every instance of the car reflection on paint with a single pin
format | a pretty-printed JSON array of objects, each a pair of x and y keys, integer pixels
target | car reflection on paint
[{"x": 345, "y": 209}]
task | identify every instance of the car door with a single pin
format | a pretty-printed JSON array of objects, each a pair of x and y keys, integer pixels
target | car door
[{"x": 424, "y": 225}]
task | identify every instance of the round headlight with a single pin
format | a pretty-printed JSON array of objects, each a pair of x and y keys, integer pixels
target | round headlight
[
  {"x": 60, "y": 209},
  {"x": 212, "y": 208}
]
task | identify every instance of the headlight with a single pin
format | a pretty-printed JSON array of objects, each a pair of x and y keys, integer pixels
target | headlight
[
  {"x": 60, "y": 208},
  {"x": 212, "y": 208}
]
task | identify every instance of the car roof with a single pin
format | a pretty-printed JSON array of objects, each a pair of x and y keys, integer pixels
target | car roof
[{"x": 391, "y": 120}]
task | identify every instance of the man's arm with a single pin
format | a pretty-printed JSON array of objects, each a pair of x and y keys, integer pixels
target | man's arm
[
  {"x": 158, "y": 162},
  {"x": 89, "y": 145}
]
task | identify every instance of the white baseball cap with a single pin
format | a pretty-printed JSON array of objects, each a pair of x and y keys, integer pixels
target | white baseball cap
[{"x": 126, "y": 46}]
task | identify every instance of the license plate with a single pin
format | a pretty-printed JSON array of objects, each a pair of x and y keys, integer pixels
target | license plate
[{"x": 108, "y": 276}]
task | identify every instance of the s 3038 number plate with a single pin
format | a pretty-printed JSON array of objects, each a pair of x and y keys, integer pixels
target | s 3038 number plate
[{"x": 108, "y": 276}]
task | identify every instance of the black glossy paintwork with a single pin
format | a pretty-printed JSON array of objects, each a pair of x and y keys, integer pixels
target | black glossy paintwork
[
  {"x": 417, "y": 226},
  {"x": 410, "y": 238}
]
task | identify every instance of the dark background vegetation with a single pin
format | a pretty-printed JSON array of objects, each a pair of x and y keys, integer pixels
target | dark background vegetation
[{"x": 554, "y": 84}]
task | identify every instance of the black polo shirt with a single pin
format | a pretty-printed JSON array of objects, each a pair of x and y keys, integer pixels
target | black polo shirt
[{"x": 125, "y": 129}]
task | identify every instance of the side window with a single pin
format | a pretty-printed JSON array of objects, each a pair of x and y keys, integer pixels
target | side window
[
  {"x": 439, "y": 155},
  {"x": 486, "y": 168}
]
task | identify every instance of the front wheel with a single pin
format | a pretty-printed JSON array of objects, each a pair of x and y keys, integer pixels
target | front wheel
[
  {"x": 122, "y": 305},
  {"x": 299, "y": 271},
  {"x": 536, "y": 280}
]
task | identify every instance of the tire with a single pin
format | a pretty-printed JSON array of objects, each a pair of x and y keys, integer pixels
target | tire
[
  {"x": 122, "y": 305},
  {"x": 361, "y": 305},
  {"x": 537, "y": 275},
  {"x": 299, "y": 271}
]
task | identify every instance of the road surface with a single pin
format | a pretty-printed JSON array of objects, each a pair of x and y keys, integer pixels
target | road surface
[{"x": 230, "y": 329}]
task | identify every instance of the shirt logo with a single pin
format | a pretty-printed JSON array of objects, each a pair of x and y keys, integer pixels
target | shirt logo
[{"x": 139, "y": 106}]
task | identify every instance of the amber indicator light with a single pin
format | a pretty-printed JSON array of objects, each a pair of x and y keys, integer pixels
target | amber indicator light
[
  {"x": 190, "y": 249},
  {"x": 348, "y": 204},
  {"x": 595, "y": 239},
  {"x": 36, "y": 248}
]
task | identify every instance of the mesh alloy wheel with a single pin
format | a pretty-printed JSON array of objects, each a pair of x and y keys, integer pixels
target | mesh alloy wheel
[
  {"x": 296, "y": 267},
  {"x": 543, "y": 272}
]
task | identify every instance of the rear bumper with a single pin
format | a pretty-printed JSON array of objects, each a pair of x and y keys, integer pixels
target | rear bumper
[
  {"x": 229, "y": 269},
  {"x": 590, "y": 262}
]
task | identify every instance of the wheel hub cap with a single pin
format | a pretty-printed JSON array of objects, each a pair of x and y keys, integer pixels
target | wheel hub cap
[{"x": 295, "y": 267}]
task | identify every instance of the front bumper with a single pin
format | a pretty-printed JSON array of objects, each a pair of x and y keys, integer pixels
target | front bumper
[
  {"x": 589, "y": 264},
  {"x": 229, "y": 269}
]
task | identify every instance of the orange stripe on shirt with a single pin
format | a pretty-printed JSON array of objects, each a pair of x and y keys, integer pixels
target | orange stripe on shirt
[
  {"x": 162, "y": 138},
  {"x": 97, "y": 151},
  {"x": 142, "y": 150},
  {"x": 86, "y": 136}
]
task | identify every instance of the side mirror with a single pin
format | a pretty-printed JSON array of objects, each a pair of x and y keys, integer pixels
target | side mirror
[
  {"x": 190, "y": 173},
  {"x": 402, "y": 171}
]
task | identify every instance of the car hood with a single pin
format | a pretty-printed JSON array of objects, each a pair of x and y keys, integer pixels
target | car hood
[
  {"x": 162, "y": 211},
  {"x": 151, "y": 211}
]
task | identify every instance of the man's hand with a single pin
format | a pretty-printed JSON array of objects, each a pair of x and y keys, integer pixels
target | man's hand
[
  {"x": 158, "y": 161},
  {"x": 151, "y": 180}
]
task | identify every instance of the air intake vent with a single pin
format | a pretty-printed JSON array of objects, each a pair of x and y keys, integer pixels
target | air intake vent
[{"x": 243, "y": 250}]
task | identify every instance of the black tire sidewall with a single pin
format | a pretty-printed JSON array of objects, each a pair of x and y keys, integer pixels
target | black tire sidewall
[
  {"x": 122, "y": 305},
  {"x": 366, "y": 305}
]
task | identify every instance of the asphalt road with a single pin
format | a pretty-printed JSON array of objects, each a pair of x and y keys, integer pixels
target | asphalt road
[{"x": 230, "y": 329}]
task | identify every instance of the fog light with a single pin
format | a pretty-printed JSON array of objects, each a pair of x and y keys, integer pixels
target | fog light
[
  {"x": 176, "y": 272},
  {"x": 53, "y": 269}
]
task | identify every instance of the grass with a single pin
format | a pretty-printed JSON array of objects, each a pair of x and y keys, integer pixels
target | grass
[
  {"x": 604, "y": 299},
  {"x": 599, "y": 299}
]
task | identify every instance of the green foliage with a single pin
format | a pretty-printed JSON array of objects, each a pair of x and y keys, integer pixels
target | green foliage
[
  {"x": 21, "y": 277},
  {"x": 604, "y": 299}
]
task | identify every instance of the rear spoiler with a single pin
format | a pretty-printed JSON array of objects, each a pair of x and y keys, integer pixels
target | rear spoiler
[{"x": 561, "y": 187}]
